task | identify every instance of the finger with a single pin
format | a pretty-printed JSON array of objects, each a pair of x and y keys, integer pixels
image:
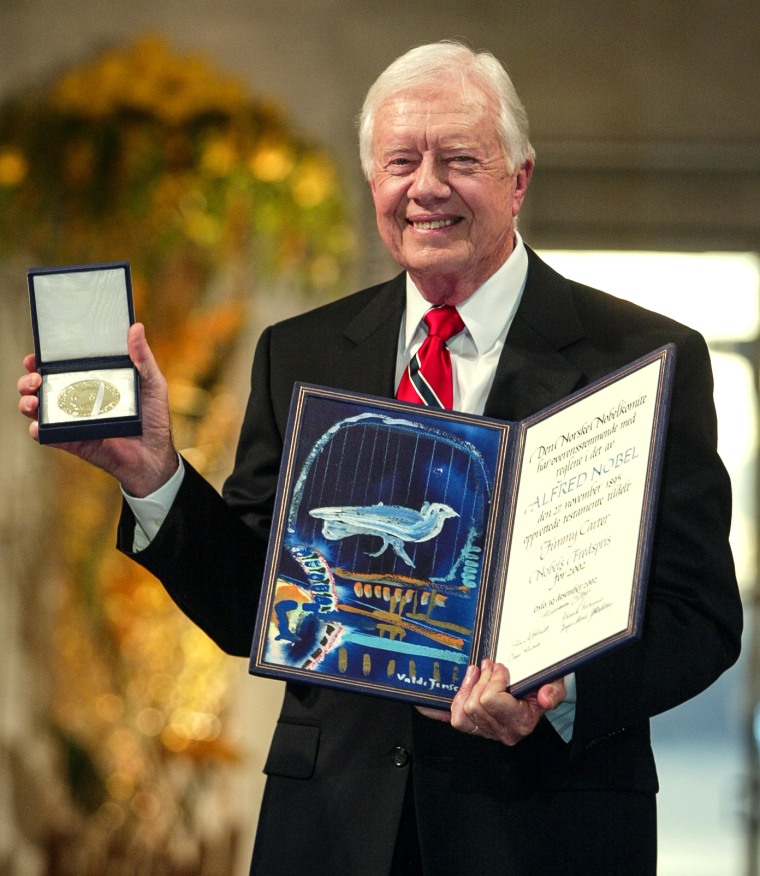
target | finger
[
  {"x": 497, "y": 680},
  {"x": 549, "y": 696},
  {"x": 473, "y": 706},
  {"x": 493, "y": 680},
  {"x": 459, "y": 718},
  {"x": 471, "y": 678},
  {"x": 153, "y": 383},
  {"x": 495, "y": 670},
  {"x": 29, "y": 384},
  {"x": 493, "y": 698},
  {"x": 28, "y": 405},
  {"x": 435, "y": 714},
  {"x": 140, "y": 352},
  {"x": 30, "y": 362}
]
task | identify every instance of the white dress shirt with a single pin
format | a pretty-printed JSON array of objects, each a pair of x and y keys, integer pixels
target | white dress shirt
[{"x": 487, "y": 315}]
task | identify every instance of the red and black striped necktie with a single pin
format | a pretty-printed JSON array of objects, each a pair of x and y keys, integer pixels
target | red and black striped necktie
[{"x": 428, "y": 379}]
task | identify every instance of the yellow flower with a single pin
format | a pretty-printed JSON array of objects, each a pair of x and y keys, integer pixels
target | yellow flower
[
  {"x": 148, "y": 77},
  {"x": 202, "y": 228},
  {"x": 271, "y": 162},
  {"x": 13, "y": 167},
  {"x": 219, "y": 157},
  {"x": 313, "y": 182}
]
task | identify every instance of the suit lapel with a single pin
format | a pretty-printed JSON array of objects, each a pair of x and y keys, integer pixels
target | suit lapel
[
  {"x": 374, "y": 331},
  {"x": 533, "y": 372}
]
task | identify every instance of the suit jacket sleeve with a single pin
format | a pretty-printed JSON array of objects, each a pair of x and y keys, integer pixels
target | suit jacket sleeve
[
  {"x": 564, "y": 336},
  {"x": 210, "y": 553},
  {"x": 211, "y": 550}
]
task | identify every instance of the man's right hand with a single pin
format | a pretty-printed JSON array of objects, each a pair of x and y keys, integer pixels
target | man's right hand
[{"x": 142, "y": 463}]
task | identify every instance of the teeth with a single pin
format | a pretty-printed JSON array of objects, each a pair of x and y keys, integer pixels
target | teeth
[{"x": 438, "y": 223}]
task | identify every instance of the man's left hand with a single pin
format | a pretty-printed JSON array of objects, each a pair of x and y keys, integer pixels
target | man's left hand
[{"x": 483, "y": 707}]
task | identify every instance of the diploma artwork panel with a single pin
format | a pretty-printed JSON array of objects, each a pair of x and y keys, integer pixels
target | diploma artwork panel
[{"x": 386, "y": 529}]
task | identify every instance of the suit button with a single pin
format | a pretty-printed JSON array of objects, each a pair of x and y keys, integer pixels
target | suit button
[{"x": 400, "y": 756}]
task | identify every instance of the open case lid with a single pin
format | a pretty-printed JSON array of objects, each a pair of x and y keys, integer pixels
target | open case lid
[{"x": 81, "y": 312}]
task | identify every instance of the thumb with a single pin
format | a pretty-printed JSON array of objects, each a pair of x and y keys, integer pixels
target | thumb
[
  {"x": 151, "y": 377},
  {"x": 141, "y": 354},
  {"x": 551, "y": 695}
]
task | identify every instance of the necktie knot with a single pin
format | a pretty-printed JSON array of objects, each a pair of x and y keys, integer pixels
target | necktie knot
[
  {"x": 428, "y": 379},
  {"x": 443, "y": 322}
]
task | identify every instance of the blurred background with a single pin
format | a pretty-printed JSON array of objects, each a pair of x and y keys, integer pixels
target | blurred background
[{"x": 212, "y": 145}]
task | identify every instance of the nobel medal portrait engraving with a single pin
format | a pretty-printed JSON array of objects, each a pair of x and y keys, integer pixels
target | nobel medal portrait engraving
[{"x": 88, "y": 398}]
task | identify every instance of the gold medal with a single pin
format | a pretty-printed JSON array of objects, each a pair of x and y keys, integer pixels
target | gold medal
[{"x": 88, "y": 398}]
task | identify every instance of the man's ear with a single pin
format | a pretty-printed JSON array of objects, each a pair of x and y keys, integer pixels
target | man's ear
[{"x": 522, "y": 178}]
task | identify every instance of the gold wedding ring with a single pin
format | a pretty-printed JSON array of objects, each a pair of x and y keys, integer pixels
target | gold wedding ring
[{"x": 88, "y": 398}]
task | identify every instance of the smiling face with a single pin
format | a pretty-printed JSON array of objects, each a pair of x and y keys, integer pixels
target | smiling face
[{"x": 445, "y": 194}]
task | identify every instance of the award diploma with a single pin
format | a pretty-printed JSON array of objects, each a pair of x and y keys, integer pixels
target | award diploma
[
  {"x": 577, "y": 541},
  {"x": 408, "y": 542}
]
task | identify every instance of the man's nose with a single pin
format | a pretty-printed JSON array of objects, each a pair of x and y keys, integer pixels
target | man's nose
[{"x": 430, "y": 180}]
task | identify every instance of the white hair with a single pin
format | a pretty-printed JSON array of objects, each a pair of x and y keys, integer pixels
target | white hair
[{"x": 424, "y": 66}]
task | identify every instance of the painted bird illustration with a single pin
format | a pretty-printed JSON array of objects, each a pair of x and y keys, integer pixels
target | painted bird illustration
[{"x": 394, "y": 524}]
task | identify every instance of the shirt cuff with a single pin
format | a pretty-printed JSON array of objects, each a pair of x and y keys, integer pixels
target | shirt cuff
[
  {"x": 150, "y": 512},
  {"x": 562, "y": 718}
]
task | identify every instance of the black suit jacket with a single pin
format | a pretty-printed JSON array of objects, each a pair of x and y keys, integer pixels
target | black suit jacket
[{"x": 339, "y": 762}]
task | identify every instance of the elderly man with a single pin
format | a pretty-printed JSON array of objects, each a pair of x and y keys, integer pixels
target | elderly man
[{"x": 562, "y": 781}]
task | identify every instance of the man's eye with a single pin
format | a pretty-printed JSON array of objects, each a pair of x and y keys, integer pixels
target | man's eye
[{"x": 400, "y": 165}]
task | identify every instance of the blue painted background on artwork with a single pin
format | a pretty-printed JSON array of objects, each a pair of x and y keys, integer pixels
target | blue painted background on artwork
[{"x": 395, "y": 505}]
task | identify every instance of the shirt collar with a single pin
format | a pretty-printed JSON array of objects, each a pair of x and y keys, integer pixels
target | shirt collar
[{"x": 488, "y": 312}]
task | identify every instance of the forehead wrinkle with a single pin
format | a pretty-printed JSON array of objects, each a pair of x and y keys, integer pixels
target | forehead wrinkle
[{"x": 405, "y": 126}]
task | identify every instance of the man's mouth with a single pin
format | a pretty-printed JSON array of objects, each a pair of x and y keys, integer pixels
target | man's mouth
[{"x": 433, "y": 224}]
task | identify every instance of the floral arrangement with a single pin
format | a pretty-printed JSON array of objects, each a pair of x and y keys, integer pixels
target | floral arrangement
[
  {"x": 148, "y": 149},
  {"x": 152, "y": 156}
]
